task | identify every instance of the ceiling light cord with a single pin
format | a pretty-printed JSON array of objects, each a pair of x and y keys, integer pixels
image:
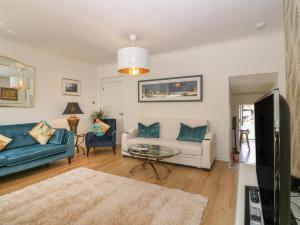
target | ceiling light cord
[{"x": 132, "y": 38}]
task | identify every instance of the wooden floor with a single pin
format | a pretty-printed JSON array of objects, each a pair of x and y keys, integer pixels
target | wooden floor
[
  {"x": 219, "y": 184},
  {"x": 248, "y": 155}
]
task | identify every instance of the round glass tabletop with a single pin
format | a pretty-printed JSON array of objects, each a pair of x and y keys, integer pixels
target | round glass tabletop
[{"x": 152, "y": 151}]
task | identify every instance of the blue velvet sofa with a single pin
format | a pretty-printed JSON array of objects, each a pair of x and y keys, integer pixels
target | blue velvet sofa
[
  {"x": 107, "y": 140},
  {"x": 23, "y": 152}
]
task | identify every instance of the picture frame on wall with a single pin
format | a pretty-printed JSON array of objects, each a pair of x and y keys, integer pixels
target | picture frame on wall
[
  {"x": 9, "y": 94},
  {"x": 71, "y": 87},
  {"x": 174, "y": 89}
]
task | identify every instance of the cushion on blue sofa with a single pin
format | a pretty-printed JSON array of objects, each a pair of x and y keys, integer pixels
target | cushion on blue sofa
[
  {"x": 2, "y": 160},
  {"x": 19, "y": 135},
  {"x": 4, "y": 141},
  {"x": 58, "y": 137},
  {"x": 24, "y": 154}
]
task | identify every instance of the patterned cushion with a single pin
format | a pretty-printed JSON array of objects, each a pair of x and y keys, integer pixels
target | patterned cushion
[
  {"x": 96, "y": 129},
  {"x": 42, "y": 132},
  {"x": 103, "y": 126},
  {"x": 4, "y": 141}
]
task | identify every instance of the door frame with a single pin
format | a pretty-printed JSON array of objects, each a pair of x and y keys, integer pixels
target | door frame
[{"x": 103, "y": 80}]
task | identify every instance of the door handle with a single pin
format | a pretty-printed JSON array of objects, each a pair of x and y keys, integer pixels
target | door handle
[{"x": 121, "y": 114}]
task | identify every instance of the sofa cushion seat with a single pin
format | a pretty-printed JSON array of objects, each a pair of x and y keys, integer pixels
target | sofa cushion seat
[
  {"x": 186, "y": 147},
  {"x": 24, "y": 154},
  {"x": 2, "y": 160}
]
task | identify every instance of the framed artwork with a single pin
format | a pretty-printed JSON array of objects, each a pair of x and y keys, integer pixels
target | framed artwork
[
  {"x": 174, "y": 89},
  {"x": 71, "y": 87},
  {"x": 10, "y": 94}
]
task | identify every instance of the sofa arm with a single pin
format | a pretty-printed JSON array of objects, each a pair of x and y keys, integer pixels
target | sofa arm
[
  {"x": 208, "y": 155},
  {"x": 209, "y": 136},
  {"x": 70, "y": 144},
  {"x": 128, "y": 135}
]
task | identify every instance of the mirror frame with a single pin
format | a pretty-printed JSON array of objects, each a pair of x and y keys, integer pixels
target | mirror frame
[{"x": 33, "y": 68}]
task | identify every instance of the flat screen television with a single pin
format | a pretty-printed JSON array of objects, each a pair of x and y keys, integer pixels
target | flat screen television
[{"x": 272, "y": 132}]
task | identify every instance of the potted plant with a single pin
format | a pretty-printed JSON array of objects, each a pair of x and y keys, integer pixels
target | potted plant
[{"x": 99, "y": 114}]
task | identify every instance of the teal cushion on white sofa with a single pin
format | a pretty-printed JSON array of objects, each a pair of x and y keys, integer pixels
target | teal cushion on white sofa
[
  {"x": 194, "y": 134},
  {"x": 150, "y": 131}
]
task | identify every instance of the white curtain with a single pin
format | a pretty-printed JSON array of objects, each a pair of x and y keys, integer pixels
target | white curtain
[{"x": 292, "y": 35}]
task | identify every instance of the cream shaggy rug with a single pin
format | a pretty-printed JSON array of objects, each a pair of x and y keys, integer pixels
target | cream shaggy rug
[{"x": 85, "y": 196}]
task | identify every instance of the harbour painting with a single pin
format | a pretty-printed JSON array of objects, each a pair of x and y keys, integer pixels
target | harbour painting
[{"x": 183, "y": 89}]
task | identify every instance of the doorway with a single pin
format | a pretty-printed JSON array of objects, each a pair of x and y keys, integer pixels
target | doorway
[
  {"x": 112, "y": 102},
  {"x": 245, "y": 90},
  {"x": 246, "y": 131}
]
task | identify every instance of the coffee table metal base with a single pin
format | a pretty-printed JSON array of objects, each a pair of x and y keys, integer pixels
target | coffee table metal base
[{"x": 152, "y": 164}]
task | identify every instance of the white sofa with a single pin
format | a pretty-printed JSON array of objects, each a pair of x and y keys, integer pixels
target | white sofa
[{"x": 200, "y": 155}]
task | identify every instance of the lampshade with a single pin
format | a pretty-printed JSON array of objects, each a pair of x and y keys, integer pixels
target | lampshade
[
  {"x": 72, "y": 108},
  {"x": 133, "y": 60}
]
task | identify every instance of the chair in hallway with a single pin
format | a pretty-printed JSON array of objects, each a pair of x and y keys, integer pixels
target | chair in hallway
[{"x": 244, "y": 133}]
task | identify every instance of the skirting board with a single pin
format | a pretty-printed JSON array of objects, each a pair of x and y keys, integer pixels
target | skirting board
[{"x": 223, "y": 158}]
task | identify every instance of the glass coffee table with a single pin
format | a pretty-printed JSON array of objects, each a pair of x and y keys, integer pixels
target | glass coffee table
[{"x": 152, "y": 155}]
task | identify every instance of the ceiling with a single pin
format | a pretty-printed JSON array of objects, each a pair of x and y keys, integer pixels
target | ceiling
[
  {"x": 93, "y": 30},
  {"x": 252, "y": 84}
]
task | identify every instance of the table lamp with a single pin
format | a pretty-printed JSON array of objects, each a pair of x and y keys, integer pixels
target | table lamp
[{"x": 71, "y": 109}]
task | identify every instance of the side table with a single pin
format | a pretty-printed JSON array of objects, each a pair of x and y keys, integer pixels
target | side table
[{"x": 79, "y": 139}]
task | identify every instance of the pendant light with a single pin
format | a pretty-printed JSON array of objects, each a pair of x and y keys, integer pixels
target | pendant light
[{"x": 133, "y": 60}]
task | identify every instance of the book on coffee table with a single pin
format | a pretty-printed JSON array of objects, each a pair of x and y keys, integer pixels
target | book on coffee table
[{"x": 141, "y": 148}]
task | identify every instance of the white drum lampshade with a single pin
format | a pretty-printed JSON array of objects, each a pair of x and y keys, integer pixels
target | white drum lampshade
[{"x": 133, "y": 60}]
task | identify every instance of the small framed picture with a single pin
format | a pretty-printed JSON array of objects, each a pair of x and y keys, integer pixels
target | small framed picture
[
  {"x": 71, "y": 87},
  {"x": 10, "y": 94}
]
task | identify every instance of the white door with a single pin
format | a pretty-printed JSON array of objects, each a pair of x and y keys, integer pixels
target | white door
[{"x": 112, "y": 102}]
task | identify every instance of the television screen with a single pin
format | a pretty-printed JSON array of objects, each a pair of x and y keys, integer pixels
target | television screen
[
  {"x": 272, "y": 131},
  {"x": 264, "y": 132}
]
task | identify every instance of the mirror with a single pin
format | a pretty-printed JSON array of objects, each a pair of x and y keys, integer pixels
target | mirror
[{"x": 16, "y": 84}]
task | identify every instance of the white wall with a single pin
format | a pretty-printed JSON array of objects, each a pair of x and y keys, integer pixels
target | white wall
[
  {"x": 49, "y": 100},
  {"x": 218, "y": 61}
]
